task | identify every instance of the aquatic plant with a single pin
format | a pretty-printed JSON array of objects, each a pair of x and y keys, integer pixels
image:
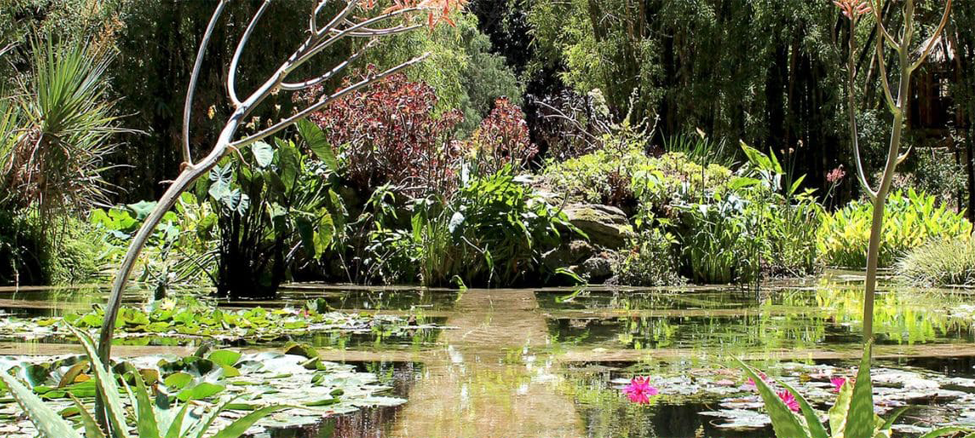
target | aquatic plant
[
  {"x": 153, "y": 418},
  {"x": 852, "y": 415},
  {"x": 912, "y": 219},
  {"x": 639, "y": 390}
]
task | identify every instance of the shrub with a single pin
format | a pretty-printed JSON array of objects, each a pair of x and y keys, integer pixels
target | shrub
[
  {"x": 648, "y": 261},
  {"x": 502, "y": 140},
  {"x": 390, "y": 133},
  {"x": 622, "y": 179},
  {"x": 493, "y": 232},
  {"x": 910, "y": 221},
  {"x": 720, "y": 240},
  {"x": 940, "y": 263}
]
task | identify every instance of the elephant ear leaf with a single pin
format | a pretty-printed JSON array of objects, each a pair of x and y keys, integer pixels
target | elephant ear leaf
[
  {"x": 318, "y": 143},
  {"x": 48, "y": 423},
  {"x": 784, "y": 422}
]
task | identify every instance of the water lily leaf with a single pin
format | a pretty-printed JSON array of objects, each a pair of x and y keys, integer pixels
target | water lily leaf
[
  {"x": 224, "y": 357},
  {"x": 200, "y": 392},
  {"x": 300, "y": 350},
  {"x": 72, "y": 374},
  {"x": 178, "y": 381}
]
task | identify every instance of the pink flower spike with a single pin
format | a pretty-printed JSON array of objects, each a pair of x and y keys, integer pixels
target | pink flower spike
[
  {"x": 838, "y": 383},
  {"x": 789, "y": 400},
  {"x": 639, "y": 390}
]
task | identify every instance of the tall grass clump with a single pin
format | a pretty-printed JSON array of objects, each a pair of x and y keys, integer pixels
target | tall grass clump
[{"x": 940, "y": 263}]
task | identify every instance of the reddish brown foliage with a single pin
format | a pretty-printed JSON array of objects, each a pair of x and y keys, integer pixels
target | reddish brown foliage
[
  {"x": 389, "y": 134},
  {"x": 503, "y": 139}
]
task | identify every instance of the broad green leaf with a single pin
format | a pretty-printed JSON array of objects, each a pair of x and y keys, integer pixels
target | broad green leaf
[
  {"x": 237, "y": 428},
  {"x": 306, "y": 231},
  {"x": 784, "y": 422},
  {"x": 224, "y": 357},
  {"x": 48, "y": 423},
  {"x": 318, "y": 143},
  {"x": 178, "y": 380},
  {"x": 107, "y": 386},
  {"x": 813, "y": 423},
  {"x": 263, "y": 154},
  {"x": 199, "y": 392},
  {"x": 289, "y": 165},
  {"x": 860, "y": 419}
]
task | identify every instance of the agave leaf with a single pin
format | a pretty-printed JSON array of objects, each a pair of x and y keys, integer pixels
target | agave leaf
[
  {"x": 175, "y": 428},
  {"x": 784, "y": 422},
  {"x": 92, "y": 430},
  {"x": 837, "y": 413},
  {"x": 200, "y": 428},
  {"x": 813, "y": 423},
  {"x": 107, "y": 386},
  {"x": 48, "y": 423},
  {"x": 893, "y": 417},
  {"x": 944, "y": 431},
  {"x": 237, "y": 428},
  {"x": 860, "y": 418},
  {"x": 145, "y": 414}
]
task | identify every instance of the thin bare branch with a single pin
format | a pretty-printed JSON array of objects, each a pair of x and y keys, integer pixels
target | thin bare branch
[
  {"x": 188, "y": 107},
  {"x": 369, "y": 32},
  {"x": 308, "y": 54},
  {"x": 232, "y": 73},
  {"x": 935, "y": 37},
  {"x": 296, "y": 86},
  {"x": 882, "y": 65},
  {"x": 9, "y": 47},
  {"x": 325, "y": 101},
  {"x": 880, "y": 26},
  {"x": 313, "y": 21},
  {"x": 340, "y": 17}
]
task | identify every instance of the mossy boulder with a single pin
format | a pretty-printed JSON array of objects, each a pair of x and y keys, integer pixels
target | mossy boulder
[{"x": 606, "y": 226}]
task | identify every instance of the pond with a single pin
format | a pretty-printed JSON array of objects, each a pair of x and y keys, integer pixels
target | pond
[{"x": 551, "y": 362}]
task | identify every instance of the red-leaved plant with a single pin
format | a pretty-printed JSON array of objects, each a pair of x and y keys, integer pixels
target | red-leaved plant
[
  {"x": 502, "y": 139},
  {"x": 389, "y": 133}
]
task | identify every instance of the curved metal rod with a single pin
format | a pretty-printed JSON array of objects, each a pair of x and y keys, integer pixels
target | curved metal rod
[
  {"x": 188, "y": 106},
  {"x": 232, "y": 73}
]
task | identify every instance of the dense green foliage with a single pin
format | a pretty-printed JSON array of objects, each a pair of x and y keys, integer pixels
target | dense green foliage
[{"x": 911, "y": 220}]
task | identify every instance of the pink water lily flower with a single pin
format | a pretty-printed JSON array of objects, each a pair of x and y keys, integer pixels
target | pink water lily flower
[
  {"x": 639, "y": 390},
  {"x": 838, "y": 383},
  {"x": 789, "y": 400},
  {"x": 751, "y": 382}
]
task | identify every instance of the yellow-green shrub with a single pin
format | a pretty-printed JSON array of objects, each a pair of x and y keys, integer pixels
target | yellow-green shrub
[{"x": 910, "y": 220}]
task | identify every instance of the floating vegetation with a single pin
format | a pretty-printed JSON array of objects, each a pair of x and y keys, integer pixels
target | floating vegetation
[
  {"x": 295, "y": 377},
  {"x": 724, "y": 400},
  {"x": 168, "y": 319}
]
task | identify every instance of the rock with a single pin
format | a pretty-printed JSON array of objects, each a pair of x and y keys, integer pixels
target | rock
[
  {"x": 596, "y": 269},
  {"x": 606, "y": 226},
  {"x": 568, "y": 254}
]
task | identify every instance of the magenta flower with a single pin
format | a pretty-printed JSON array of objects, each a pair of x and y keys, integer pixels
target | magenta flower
[
  {"x": 789, "y": 400},
  {"x": 751, "y": 382},
  {"x": 639, "y": 390},
  {"x": 838, "y": 383}
]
